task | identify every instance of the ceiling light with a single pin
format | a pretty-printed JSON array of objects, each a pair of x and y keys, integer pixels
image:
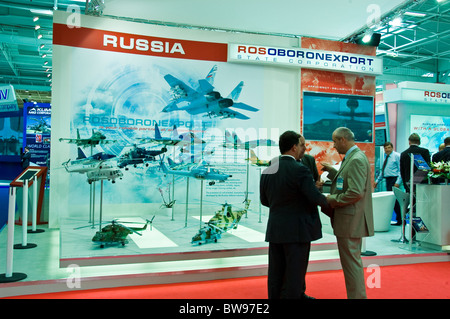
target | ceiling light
[
  {"x": 396, "y": 22},
  {"x": 44, "y": 55},
  {"x": 35, "y": 19},
  {"x": 366, "y": 38},
  {"x": 42, "y": 46},
  {"x": 44, "y": 12},
  {"x": 39, "y": 36},
  {"x": 37, "y": 27},
  {"x": 415, "y": 14}
]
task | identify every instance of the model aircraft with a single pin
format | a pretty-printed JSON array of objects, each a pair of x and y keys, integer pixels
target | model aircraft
[
  {"x": 116, "y": 233},
  {"x": 222, "y": 221},
  {"x": 176, "y": 139},
  {"x": 233, "y": 141},
  {"x": 205, "y": 99},
  {"x": 139, "y": 155},
  {"x": 96, "y": 167},
  {"x": 202, "y": 172},
  {"x": 96, "y": 138},
  {"x": 256, "y": 161}
]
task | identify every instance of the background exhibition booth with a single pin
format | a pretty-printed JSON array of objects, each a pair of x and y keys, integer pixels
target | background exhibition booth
[{"x": 423, "y": 108}]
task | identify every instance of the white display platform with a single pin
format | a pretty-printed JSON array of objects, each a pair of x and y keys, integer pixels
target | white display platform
[{"x": 433, "y": 202}]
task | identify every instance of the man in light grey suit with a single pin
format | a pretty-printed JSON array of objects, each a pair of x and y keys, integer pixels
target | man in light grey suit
[{"x": 351, "y": 198}]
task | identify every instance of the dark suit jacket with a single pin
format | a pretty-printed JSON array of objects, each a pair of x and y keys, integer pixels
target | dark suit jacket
[
  {"x": 288, "y": 189},
  {"x": 405, "y": 162},
  {"x": 25, "y": 157},
  {"x": 443, "y": 155},
  {"x": 310, "y": 162}
]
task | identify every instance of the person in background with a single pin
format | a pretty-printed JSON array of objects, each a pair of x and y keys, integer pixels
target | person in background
[
  {"x": 288, "y": 189},
  {"x": 25, "y": 157},
  {"x": 444, "y": 154},
  {"x": 351, "y": 198},
  {"x": 390, "y": 172},
  {"x": 405, "y": 158}
]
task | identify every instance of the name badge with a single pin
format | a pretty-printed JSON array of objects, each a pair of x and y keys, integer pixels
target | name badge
[{"x": 340, "y": 184}]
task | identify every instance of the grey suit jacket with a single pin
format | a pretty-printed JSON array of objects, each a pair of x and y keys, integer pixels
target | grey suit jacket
[{"x": 353, "y": 215}]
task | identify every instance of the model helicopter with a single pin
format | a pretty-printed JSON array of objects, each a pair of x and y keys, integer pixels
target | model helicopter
[
  {"x": 223, "y": 221},
  {"x": 116, "y": 233}
]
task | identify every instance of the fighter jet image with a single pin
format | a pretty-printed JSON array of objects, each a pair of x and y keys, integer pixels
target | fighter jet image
[
  {"x": 176, "y": 139},
  {"x": 233, "y": 141},
  {"x": 204, "y": 99},
  {"x": 202, "y": 172},
  {"x": 96, "y": 167},
  {"x": 96, "y": 138}
]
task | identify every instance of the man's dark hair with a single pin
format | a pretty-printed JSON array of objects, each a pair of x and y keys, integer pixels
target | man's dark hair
[
  {"x": 287, "y": 140},
  {"x": 447, "y": 140},
  {"x": 388, "y": 144},
  {"x": 414, "y": 138}
]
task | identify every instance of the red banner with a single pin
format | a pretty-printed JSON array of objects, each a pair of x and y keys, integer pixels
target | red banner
[{"x": 138, "y": 44}]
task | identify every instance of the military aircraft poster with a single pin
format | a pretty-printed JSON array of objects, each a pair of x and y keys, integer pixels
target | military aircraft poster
[{"x": 205, "y": 100}]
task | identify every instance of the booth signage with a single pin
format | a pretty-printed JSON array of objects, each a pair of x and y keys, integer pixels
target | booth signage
[
  {"x": 306, "y": 58},
  {"x": 8, "y": 102},
  {"x": 402, "y": 95}
]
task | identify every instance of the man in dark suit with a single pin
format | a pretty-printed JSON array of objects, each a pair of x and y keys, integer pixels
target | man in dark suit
[
  {"x": 25, "y": 157},
  {"x": 288, "y": 189},
  {"x": 443, "y": 155},
  {"x": 405, "y": 158}
]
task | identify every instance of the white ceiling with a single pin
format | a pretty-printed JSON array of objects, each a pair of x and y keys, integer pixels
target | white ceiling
[
  {"x": 329, "y": 19},
  {"x": 420, "y": 45}
]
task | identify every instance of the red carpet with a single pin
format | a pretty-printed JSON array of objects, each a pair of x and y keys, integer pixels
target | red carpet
[{"x": 417, "y": 281}]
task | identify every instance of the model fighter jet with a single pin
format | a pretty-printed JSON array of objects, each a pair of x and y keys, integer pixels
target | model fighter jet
[
  {"x": 205, "y": 99},
  {"x": 202, "y": 172},
  {"x": 233, "y": 141},
  {"x": 175, "y": 139},
  {"x": 96, "y": 138}
]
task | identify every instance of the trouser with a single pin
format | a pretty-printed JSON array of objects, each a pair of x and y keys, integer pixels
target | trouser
[
  {"x": 350, "y": 256},
  {"x": 390, "y": 182},
  {"x": 288, "y": 263}
]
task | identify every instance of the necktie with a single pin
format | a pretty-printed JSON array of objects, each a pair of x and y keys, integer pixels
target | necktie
[{"x": 384, "y": 164}]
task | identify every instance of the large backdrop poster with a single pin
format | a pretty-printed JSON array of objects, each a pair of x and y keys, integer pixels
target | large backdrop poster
[{"x": 132, "y": 90}]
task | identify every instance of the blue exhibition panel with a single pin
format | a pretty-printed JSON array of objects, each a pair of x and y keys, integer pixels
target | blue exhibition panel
[{"x": 4, "y": 202}]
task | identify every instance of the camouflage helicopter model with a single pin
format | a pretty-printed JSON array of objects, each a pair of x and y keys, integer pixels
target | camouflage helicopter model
[
  {"x": 116, "y": 233},
  {"x": 223, "y": 220}
]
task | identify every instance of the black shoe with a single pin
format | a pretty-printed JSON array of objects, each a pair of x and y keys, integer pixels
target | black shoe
[{"x": 305, "y": 296}]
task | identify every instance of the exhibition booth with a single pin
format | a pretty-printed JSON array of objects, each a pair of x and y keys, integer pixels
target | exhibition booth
[
  {"x": 423, "y": 109},
  {"x": 200, "y": 105},
  {"x": 159, "y": 136}
]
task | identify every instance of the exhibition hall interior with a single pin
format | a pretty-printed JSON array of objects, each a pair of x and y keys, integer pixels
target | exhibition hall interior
[{"x": 133, "y": 134}]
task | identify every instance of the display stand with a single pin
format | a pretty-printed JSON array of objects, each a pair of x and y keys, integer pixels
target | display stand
[
  {"x": 11, "y": 276},
  {"x": 33, "y": 229},
  {"x": 27, "y": 178},
  {"x": 187, "y": 202},
  {"x": 365, "y": 252}
]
